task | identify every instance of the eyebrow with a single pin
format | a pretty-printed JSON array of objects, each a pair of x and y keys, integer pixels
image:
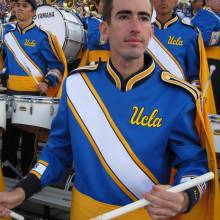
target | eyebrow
[{"x": 142, "y": 13}]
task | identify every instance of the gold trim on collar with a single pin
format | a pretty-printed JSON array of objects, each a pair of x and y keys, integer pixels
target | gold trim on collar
[
  {"x": 140, "y": 76},
  {"x": 167, "y": 24},
  {"x": 173, "y": 20},
  {"x": 114, "y": 75},
  {"x": 158, "y": 24},
  {"x": 26, "y": 29}
]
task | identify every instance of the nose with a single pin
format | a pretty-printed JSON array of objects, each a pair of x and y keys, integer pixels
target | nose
[{"x": 135, "y": 25}]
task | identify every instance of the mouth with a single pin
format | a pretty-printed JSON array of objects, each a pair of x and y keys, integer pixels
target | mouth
[{"x": 134, "y": 41}]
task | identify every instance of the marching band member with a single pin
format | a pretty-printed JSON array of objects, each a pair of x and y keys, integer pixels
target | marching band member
[
  {"x": 208, "y": 21},
  {"x": 97, "y": 47},
  {"x": 32, "y": 66},
  {"x": 177, "y": 40},
  {"x": 125, "y": 124}
]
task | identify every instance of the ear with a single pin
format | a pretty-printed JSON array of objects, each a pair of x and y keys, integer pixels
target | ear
[{"x": 104, "y": 31}]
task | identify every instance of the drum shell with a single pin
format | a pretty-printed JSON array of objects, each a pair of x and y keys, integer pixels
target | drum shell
[
  {"x": 66, "y": 26},
  {"x": 33, "y": 113},
  {"x": 3, "y": 100},
  {"x": 215, "y": 126}
]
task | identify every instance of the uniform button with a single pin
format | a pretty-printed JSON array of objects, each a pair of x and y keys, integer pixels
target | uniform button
[{"x": 166, "y": 76}]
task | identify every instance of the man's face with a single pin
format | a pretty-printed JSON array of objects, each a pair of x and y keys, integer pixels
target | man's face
[
  {"x": 214, "y": 4},
  {"x": 164, "y": 7},
  {"x": 100, "y": 7},
  {"x": 197, "y": 4},
  {"x": 24, "y": 10},
  {"x": 130, "y": 28}
]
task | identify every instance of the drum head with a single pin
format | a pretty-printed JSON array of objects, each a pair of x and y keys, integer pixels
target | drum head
[{"x": 51, "y": 19}]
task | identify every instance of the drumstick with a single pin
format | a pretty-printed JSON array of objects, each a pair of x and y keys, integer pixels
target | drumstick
[
  {"x": 212, "y": 69},
  {"x": 143, "y": 202},
  {"x": 16, "y": 216}
]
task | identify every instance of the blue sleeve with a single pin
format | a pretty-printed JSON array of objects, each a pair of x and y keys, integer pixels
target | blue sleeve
[
  {"x": 52, "y": 62},
  {"x": 58, "y": 151},
  {"x": 193, "y": 59},
  {"x": 188, "y": 156},
  {"x": 94, "y": 36},
  {"x": 206, "y": 22}
]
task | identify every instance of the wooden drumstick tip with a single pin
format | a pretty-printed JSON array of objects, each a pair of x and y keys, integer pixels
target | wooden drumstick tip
[
  {"x": 16, "y": 216},
  {"x": 212, "y": 68}
]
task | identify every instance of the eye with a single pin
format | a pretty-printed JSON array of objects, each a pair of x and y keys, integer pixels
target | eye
[
  {"x": 124, "y": 17},
  {"x": 145, "y": 18}
]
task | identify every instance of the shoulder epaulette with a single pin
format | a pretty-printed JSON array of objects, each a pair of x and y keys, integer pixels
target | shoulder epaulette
[
  {"x": 90, "y": 68},
  {"x": 48, "y": 33},
  {"x": 171, "y": 79}
]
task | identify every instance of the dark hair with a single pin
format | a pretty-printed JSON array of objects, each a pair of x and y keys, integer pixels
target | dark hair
[{"x": 107, "y": 10}]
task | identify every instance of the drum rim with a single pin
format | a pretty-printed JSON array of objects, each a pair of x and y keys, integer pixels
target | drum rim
[{"x": 35, "y": 99}]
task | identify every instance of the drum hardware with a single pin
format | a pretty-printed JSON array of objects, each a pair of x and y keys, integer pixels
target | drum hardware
[
  {"x": 14, "y": 107},
  {"x": 31, "y": 109},
  {"x": 216, "y": 132},
  {"x": 52, "y": 110}
]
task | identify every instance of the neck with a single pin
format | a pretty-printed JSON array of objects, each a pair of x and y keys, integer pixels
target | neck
[
  {"x": 24, "y": 24},
  {"x": 164, "y": 18},
  {"x": 127, "y": 67}
]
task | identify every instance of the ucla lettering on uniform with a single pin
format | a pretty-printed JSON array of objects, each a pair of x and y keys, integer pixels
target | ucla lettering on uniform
[
  {"x": 30, "y": 43},
  {"x": 175, "y": 41},
  {"x": 138, "y": 118}
]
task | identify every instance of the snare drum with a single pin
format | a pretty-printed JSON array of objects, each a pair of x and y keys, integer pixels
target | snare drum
[
  {"x": 3, "y": 100},
  {"x": 66, "y": 26},
  {"x": 215, "y": 126},
  {"x": 34, "y": 113}
]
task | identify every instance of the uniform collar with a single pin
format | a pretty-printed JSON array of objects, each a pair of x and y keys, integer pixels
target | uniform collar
[
  {"x": 173, "y": 20},
  {"x": 31, "y": 26},
  {"x": 135, "y": 79}
]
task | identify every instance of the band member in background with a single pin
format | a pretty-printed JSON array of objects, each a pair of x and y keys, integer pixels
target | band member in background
[
  {"x": 208, "y": 21},
  {"x": 125, "y": 124},
  {"x": 30, "y": 56},
  {"x": 95, "y": 47},
  {"x": 177, "y": 39}
]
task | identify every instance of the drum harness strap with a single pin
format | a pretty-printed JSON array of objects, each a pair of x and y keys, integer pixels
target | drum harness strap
[{"x": 164, "y": 58}]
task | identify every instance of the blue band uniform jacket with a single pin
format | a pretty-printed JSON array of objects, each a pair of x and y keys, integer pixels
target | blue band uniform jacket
[
  {"x": 37, "y": 47},
  {"x": 153, "y": 127}
]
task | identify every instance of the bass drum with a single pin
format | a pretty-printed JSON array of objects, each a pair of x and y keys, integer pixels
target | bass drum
[{"x": 66, "y": 26}]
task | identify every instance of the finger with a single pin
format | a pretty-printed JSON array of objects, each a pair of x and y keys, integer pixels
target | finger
[
  {"x": 162, "y": 212},
  {"x": 162, "y": 202}
]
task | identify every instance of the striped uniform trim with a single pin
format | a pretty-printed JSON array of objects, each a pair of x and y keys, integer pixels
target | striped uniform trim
[
  {"x": 164, "y": 58},
  {"x": 131, "y": 172},
  {"x": 168, "y": 77},
  {"x": 39, "y": 168}
]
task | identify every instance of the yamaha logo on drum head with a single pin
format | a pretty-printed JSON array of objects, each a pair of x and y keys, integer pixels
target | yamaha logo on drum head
[{"x": 45, "y": 15}]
